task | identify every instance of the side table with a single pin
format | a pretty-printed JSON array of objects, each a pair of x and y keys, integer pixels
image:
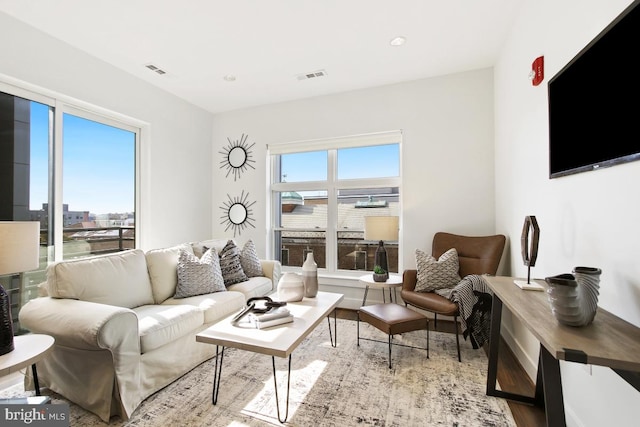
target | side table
[
  {"x": 393, "y": 282},
  {"x": 28, "y": 350}
]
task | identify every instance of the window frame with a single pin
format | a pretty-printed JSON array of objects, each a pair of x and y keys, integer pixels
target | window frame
[
  {"x": 60, "y": 105},
  {"x": 332, "y": 186}
]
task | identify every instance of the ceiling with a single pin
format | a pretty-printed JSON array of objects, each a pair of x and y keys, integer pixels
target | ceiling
[{"x": 266, "y": 45}]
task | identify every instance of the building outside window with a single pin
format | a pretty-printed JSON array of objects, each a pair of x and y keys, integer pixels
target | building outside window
[{"x": 321, "y": 191}]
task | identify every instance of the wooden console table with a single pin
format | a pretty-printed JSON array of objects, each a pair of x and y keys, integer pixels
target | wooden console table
[{"x": 608, "y": 341}]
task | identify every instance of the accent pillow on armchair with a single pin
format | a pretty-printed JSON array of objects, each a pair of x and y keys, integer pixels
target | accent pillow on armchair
[{"x": 437, "y": 274}]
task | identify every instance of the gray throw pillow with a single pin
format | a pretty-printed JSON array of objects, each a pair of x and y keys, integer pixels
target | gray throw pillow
[
  {"x": 435, "y": 274},
  {"x": 198, "y": 276},
  {"x": 232, "y": 271},
  {"x": 250, "y": 261}
]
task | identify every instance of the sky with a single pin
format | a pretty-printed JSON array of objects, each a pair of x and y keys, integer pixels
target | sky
[
  {"x": 97, "y": 159},
  {"x": 360, "y": 162}
]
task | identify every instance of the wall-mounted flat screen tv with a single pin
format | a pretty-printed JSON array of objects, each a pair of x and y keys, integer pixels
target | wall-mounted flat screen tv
[{"x": 594, "y": 101}]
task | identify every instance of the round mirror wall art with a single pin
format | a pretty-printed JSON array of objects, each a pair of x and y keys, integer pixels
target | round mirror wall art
[
  {"x": 237, "y": 213},
  {"x": 237, "y": 157}
]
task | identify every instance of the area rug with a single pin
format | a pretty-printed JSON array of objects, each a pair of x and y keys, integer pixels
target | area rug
[{"x": 345, "y": 385}]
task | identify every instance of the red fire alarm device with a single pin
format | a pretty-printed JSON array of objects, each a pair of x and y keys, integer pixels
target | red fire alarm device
[{"x": 537, "y": 71}]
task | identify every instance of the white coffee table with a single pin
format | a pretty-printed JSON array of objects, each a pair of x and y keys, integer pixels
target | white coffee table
[
  {"x": 277, "y": 341},
  {"x": 28, "y": 349},
  {"x": 393, "y": 282}
]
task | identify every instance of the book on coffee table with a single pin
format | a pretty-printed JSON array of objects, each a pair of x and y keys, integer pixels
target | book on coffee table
[
  {"x": 262, "y": 324},
  {"x": 270, "y": 315}
]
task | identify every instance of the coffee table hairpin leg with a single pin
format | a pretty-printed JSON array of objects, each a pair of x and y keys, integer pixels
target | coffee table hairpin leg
[
  {"x": 275, "y": 384},
  {"x": 335, "y": 327},
  {"x": 217, "y": 374}
]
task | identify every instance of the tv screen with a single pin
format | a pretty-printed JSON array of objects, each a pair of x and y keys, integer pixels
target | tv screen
[{"x": 594, "y": 101}]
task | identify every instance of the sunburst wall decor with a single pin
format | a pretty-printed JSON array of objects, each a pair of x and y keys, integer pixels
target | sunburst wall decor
[
  {"x": 238, "y": 214},
  {"x": 237, "y": 157}
]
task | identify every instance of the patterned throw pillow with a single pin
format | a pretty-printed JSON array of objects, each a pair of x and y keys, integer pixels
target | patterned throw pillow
[
  {"x": 232, "y": 271},
  {"x": 198, "y": 276},
  {"x": 439, "y": 274},
  {"x": 250, "y": 261}
]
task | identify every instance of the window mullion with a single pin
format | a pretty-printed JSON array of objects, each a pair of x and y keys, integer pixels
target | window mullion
[
  {"x": 332, "y": 211},
  {"x": 58, "y": 219}
]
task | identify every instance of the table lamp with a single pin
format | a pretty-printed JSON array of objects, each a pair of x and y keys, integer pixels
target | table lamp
[
  {"x": 19, "y": 252},
  {"x": 381, "y": 228}
]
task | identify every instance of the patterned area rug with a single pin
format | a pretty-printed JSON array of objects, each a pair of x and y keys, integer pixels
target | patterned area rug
[{"x": 343, "y": 386}]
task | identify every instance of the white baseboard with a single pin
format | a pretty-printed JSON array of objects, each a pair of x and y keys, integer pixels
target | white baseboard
[{"x": 530, "y": 366}]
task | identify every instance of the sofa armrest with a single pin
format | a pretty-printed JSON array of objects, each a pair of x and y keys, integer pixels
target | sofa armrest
[
  {"x": 81, "y": 324},
  {"x": 409, "y": 280},
  {"x": 272, "y": 269}
]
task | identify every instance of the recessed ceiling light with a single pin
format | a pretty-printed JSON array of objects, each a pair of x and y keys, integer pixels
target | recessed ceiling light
[
  {"x": 229, "y": 78},
  {"x": 397, "y": 41}
]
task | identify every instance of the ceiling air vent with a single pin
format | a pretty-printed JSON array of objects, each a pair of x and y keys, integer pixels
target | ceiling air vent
[
  {"x": 312, "y": 75},
  {"x": 155, "y": 69}
]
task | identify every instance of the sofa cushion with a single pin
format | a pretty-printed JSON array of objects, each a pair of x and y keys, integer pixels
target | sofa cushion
[
  {"x": 163, "y": 270},
  {"x": 119, "y": 279},
  {"x": 199, "y": 276},
  {"x": 254, "y": 287},
  {"x": 161, "y": 324},
  {"x": 230, "y": 264},
  {"x": 435, "y": 274},
  {"x": 214, "y": 306},
  {"x": 249, "y": 260}
]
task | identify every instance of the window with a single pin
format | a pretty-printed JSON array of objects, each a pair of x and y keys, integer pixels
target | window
[
  {"x": 39, "y": 134},
  {"x": 99, "y": 184},
  {"x": 321, "y": 191}
]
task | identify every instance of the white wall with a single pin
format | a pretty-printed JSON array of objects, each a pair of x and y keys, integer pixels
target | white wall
[
  {"x": 585, "y": 219},
  {"x": 447, "y": 153},
  {"x": 176, "y": 192},
  {"x": 447, "y": 161}
]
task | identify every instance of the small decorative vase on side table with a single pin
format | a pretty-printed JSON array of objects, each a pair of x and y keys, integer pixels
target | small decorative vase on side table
[
  {"x": 6, "y": 323},
  {"x": 380, "y": 277}
]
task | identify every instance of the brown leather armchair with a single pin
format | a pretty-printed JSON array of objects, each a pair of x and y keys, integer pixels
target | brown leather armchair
[{"x": 476, "y": 255}]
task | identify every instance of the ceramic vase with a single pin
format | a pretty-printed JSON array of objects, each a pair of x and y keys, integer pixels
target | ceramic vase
[
  {"x": 574, "y": 297},
  {"x": 310, "y": 276},
  {"x": 290, "y": 287},
  {"x": 6, "y": 323},
  {"x": 380, "y": 277}
]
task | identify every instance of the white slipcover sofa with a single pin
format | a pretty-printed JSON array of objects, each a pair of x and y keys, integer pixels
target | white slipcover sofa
[{"x": 120, "y": 336}]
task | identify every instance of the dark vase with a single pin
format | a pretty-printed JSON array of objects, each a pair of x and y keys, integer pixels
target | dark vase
[{"x": 6, "y": 324}]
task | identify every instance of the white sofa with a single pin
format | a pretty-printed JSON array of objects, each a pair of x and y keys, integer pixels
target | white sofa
[{"x": 120, "y": 335}]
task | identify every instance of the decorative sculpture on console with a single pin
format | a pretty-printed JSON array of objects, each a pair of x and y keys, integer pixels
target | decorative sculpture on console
[{"x": 574, "y": 297}]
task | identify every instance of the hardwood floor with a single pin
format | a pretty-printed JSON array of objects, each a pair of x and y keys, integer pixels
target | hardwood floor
[{"x": 511, "y": 376}]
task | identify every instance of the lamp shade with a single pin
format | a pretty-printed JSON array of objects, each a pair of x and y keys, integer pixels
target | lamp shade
[
  {"x": 381, "y": 228},
  {"x": 19, "y": 246},
  {"x": 19, "y": 252}
]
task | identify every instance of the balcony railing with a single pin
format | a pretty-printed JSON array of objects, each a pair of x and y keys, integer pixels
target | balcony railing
[{"x": 80, "y": 242}]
